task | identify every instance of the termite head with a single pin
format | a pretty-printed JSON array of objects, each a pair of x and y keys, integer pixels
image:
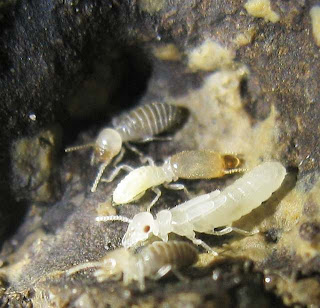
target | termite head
[
  {"x": 232, "y": 161},
  {"x": 140, "y": 228},
  {"x": 108, "y": 144},
  {"x": 114, "y": 264}
]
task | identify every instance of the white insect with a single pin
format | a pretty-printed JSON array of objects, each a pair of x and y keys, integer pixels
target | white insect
[
  {"x": 153, "y": 261},
  {"x": 200, "y": 164},
  {"x": 138, "y": 125},
  {"x": 206, "y": 212}
]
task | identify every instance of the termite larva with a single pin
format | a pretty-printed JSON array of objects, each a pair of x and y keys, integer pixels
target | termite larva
[
  {"x": 138, "y": 125},
  {"x": 200, "y": 164},
  {"x": 207, "y": 212},
  {"x": 153, "y": 261}
]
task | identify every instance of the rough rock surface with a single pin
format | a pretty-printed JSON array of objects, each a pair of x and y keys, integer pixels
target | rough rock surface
[{"x": 251, "y": 85}]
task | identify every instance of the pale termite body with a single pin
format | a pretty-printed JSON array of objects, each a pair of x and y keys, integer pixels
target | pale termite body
[
  {"x": 198, "y": 164},
  {"x": 152, "y": 261},
  {"x": 138, "y": 125},
  {"x": 207, "y": 212}
]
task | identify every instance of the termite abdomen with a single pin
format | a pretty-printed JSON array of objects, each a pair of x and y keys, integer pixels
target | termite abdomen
[
  {"x": 147, "y": 121},
  {"x": 175, "y": 253}
]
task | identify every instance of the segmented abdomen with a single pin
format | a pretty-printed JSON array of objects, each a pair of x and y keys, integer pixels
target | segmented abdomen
[
  {"x": 147, "y": 121},
  {"x": 238, "y": 199},
  {"x": 176, "y": 253},
  {"x": 137, "y": 182}
]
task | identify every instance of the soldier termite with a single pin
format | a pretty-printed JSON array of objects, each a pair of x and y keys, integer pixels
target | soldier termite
[
  {"x": 207, "y": 212},
  {"x": 153, "y": 261},
  {"x": 138, "y": 125},
  {"x": 200, "y": 164}
]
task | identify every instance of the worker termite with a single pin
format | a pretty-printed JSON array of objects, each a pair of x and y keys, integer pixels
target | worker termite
[
  {"x": 201, "y": 164},
  {"x": 153, "y": 261},
  {"x": 138, "y": 125},
  {"x": 206, "y": 212}
]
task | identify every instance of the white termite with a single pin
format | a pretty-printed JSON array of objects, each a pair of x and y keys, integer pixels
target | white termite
[
  {"x": 199, "y": 164},
  {"x": 153, "y": 261},
  {"x": 207, "y": 212}
]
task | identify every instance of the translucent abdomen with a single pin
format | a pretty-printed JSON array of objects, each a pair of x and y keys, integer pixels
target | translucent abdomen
[
  {"x": 137, "y": 182},
  {"x": 200, "y": 164},
  {"x": 147, "y": 121},
  {"x": 217, "y": 210},
  {"x": 176, "y": 253}
]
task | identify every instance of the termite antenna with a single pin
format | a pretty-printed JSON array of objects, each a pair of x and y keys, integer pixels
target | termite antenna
[
  {"x": 83, "y": 266},
  {"x": 99, "y": 175},
  {"x": 80, "y": 147},
  {"x": 114, "y": 218},
  {"x": 236, "y": 170}
]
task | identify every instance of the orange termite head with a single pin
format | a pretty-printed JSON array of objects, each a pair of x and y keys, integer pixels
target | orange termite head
[{"x": 232, "y": 161}]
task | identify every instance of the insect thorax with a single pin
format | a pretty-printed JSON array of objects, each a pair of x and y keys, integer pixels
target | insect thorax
[
  {"x": 127, "y": 134},
  {"x": 164, "y": 221}
]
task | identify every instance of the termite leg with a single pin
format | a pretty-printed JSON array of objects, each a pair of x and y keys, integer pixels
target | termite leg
[
  {"x": 143, "y": 158},
  {"x": 179, "y": 275},
  {"x": 92, "y": 158},
  {"x": 227, "y": 230},
  {"x": 142, "y": 285},
  {"x": 244, "y": 232},
  {"x": 148, "y": 139},
  {"x": 177, "y": 186},
  {"x": 133, "y": 149},
  {"x": 157, "y": 191},
  {"x": 119, "y": 157},
  {"x": 141, "y": 280},
  {"x": 101, "y": 275},
  {"x": 147, "y": 159},
  {"x": 221, "y": 232},
  {"x": 115, "y": 172},
  {"x": 204, "y": 245},
  {"x": 164, "y": 270}
]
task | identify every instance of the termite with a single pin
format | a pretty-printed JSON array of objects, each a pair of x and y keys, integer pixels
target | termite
[
  {"x": 138, "y": 125},
  {"x": 153, "y": 261},
  {"x": 207, "y": 212},
  {"x": 200, "y": 164}
]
